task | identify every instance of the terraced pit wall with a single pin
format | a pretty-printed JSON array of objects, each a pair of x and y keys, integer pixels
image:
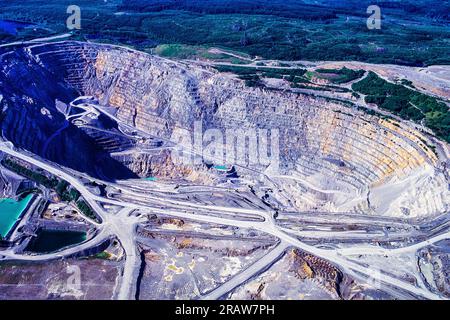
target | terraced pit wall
[{"x": 336, "y": 158}]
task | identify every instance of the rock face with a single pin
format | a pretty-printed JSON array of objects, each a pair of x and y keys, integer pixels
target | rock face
[
  {"x": 332, "y": 156},
  {"x": 31, "y": 89}
]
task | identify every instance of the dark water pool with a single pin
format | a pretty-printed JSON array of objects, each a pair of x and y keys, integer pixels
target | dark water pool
[{"x": 52, "y": 240}]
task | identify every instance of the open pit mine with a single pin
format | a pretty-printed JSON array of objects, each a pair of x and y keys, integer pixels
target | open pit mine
[{"x": 178, "y": 181}]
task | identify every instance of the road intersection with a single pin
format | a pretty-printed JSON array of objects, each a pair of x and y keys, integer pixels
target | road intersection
[{"x": 123, "y": 226}]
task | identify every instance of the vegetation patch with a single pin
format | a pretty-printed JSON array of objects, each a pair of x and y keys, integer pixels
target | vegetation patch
[
  {"x": 182, "y": 51},
  {"x": 406, "y": 103},
  {"x": 47, "y": 182},
  {"x": 340, "y": 76},
  {"x": 86, "y": 210},
  {"x": 103, "y": 255}
]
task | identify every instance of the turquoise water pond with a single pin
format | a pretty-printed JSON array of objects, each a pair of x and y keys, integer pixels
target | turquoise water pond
[{"x": 10, "y": 211}]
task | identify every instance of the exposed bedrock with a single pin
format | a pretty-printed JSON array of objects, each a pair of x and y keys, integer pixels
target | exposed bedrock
[
  {"x": 161, "y": 165},
  {"x": 332, "y": 156}
]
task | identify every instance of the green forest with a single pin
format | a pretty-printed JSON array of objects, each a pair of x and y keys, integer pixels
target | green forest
[
  {"x": 284, "y": 30},
  {"x": 407, "y": 103}
]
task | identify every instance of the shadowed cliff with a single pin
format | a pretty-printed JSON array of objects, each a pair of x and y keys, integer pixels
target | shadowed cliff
[{"x": 30, "y": 120}]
